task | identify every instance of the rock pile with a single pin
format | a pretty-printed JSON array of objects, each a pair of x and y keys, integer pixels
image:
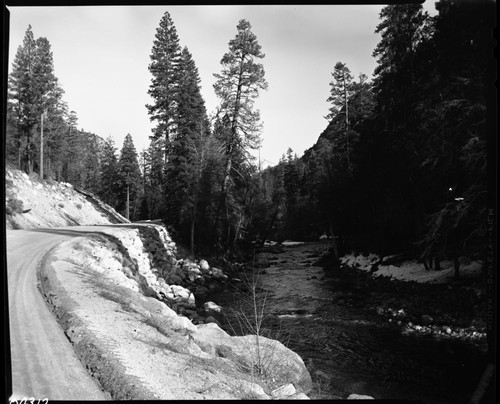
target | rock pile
[{"x": 151, "y": 256}]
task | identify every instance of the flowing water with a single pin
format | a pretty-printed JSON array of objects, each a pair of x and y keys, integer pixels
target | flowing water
[{"x": 346, "y": 347}]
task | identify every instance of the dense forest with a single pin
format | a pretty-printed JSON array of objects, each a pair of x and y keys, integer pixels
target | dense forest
[{"x": 400, "y": 167}]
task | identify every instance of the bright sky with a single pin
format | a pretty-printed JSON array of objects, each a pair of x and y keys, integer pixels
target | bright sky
[{"x": 101, "y": 57}]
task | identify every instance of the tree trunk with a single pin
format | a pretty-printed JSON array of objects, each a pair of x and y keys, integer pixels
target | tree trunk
[
  {"x": 437, "y": 264},
  {"x": 334, "y": 240}
]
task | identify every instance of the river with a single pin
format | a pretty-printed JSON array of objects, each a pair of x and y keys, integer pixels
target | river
[{"x": 327, "y": 318}]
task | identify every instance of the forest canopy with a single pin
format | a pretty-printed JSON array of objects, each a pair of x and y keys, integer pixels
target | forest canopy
[{"x": 401, "y": 165}]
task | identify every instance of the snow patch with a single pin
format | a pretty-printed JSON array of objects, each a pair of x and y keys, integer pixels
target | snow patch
[
  {"x": 412, "y": 270},
  {"x": 290, "y": 242}
]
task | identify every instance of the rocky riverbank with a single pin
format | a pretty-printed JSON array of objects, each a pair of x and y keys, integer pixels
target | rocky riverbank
[{"x": 369, "y": 335}]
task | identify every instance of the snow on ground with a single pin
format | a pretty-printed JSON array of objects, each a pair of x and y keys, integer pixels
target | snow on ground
[
  {"x": 411, "y": 270},
  {"x": 290, "y": 242}
]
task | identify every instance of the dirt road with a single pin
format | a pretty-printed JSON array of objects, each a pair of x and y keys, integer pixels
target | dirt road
[{"x": 43, "y": 362}]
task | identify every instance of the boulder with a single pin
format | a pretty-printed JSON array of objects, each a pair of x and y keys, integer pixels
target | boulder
[
  {"x": 211, "y": 308},
  {"x": 359, "y": 397},
  {"x": 192, "y": 276},
  {"x": 158, "y": 307},
  {"x": 179, "y": 323},
  {"x": 166, "y": 292},
  {"x": 209, "y": 337},
  {"x": 180, "y": 292},
  {"x": 211, "y": 319},
  {"x": 218, "y": 274},
  {"x": 279, "y": 362},
  {"x": 174, "y": 279},
  {"x": 204, "y": 267}
]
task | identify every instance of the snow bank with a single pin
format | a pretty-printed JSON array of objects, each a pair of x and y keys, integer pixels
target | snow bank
[{"x": 411, "y": 270}]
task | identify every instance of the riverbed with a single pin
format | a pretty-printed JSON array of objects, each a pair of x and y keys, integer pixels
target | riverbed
[{"x": 348, "y": 345}]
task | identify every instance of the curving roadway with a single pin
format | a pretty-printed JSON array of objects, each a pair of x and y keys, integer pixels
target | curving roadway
[{"x": 44, "y": 364}]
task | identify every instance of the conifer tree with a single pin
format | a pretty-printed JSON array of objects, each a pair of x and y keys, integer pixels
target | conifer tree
[
  {"x": 340, "y": 92},
  {"x": 108, "y": 190},
  {"x": 237, "y": 87},
  {"x": 33, "y": 90},
  {"x": 130, "y": 177},
  {"x": 164, "y": 88},
  {"x": 187, "y": 151}
]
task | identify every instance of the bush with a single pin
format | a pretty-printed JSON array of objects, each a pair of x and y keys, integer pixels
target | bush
[{"x": 13, "y": 205}]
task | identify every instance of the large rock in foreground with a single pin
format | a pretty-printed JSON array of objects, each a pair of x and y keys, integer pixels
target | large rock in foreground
[{"x": 268, "y": 359}]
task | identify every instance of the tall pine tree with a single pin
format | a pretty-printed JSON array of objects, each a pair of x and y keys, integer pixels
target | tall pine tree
[
  {"x": 33, "y": 90},
  {"x": 108, "y": 189},
  {"x": 237, "y": 87},
  {"x": 164, "y": 88},
  {"x": 187, "y": 153},
  {"x": 129, "y": 179}
]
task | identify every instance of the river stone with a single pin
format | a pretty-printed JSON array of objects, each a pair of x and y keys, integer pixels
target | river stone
[
  {"x": 204, "y": 267},
  {"x": 180, "y": 292},
  {"x": 174, "y": 279},
  {"x": 211, "y": 308},
  {"x": 191, "y": 267},
  {"x": 359, "y": 397},
  {"x": 167, "y": 292},
  {"x": 218, "y": 274}
]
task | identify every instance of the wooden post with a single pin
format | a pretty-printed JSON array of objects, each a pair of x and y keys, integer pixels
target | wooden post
[
  {"x": 128, "y": 203},
  {"x": 41, "y": 147}
]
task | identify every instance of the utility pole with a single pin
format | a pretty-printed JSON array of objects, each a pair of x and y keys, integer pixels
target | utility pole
[
  {"x": 41, "y": 145},
  {"x": 128, "y": 203}
]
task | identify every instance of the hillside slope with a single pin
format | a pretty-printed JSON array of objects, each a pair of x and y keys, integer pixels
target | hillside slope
[{"x": 31, "y": 203}]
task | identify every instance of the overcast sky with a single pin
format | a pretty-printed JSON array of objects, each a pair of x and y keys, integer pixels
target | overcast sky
[{"x": 101, "y": 56}]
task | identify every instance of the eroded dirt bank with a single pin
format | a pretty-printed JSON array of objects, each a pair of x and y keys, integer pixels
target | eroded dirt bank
[{"x": 374, "y": 336}]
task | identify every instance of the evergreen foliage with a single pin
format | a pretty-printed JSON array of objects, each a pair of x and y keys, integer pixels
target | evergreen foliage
[
  {"x": 238, "y": 126},
  {"x": 164, "y": 88},
  {"x": 108, "y": 187},
  {"x": 129, "y": 180},
  {"x": 401, "y": 165}
]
